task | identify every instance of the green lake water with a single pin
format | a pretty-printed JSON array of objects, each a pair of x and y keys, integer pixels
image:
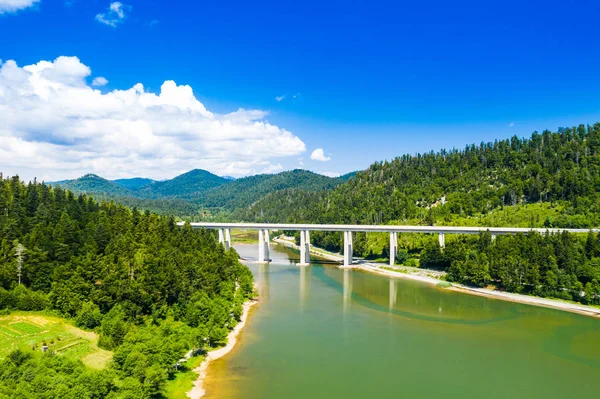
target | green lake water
[{"x": 324, "y": 332}]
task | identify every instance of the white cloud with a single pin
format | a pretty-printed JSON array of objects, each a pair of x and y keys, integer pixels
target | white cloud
[
  {"x": 152, "y": 23},
  {"x": 329, "y": 174},
  {"x": 319, "y": 155},
  {"x": 114, "y": 15},
  {"x": 99, "y": 81},
  {"x": 7, "y": 6},
  {"x": 512, "y": 124},
  {"x": 55, "y": 125},
  {"x": 280, "y": 98}
]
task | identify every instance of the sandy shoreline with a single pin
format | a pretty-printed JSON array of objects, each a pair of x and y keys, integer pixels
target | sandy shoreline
[
  {"x": 198, "y": 390},
  {"x": 501, "y": 295}
]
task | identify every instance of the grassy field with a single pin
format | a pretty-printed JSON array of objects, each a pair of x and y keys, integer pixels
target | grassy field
[
  {"x": 183, "y": 381},
  {"x": 244, "y": 236},
  {"x": 29, "y": 331}
]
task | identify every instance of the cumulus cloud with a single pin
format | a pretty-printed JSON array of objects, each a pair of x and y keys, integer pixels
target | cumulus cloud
[
  {"x": 279, "y": 98},
  {"x": 512, "y": 124},
  {"x": 114, "y": 15},
  {"x": 319, "y": 155},
  {"x": 55, "y": 125},
  {"x": 7, "y": 6},
  {"x": 99, "y": 81}
]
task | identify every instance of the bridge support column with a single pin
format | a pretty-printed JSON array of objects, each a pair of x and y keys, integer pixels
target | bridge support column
[
  {"x": 442, "y": 239},
  {"x": 393, "y": 247},
  {"x": 263, "y": 246},
  {"x": 304, "y": 248},
  {"x": 347, "y": 248},
  {"x": 493, "y": 237},
  {"x": 227, "y": 239}
]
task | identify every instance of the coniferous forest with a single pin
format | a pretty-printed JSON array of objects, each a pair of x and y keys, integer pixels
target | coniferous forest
[
  {"x": 152, "y": 290},
  {"x": 547, "y": 180}
]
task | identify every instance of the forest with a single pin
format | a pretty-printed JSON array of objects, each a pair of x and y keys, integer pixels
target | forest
[
  {"x": 549, "y": 180},
  {"x": 197, "y": 193},
  {"x": 153, "y": 291}
]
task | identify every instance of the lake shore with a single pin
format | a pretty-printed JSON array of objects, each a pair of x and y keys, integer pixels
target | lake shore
[
  {"x": 501, "y": 295},
  {"x": 198, "y": 390}
]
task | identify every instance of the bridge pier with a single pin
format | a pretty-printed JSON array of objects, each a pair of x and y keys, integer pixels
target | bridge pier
[
  {"x": 442, "y": 239},
  {"x": 225, "y": 238},
  {"x": 304, "y": 248},
  {"x": 347, "y": 249},
  {"x": 393, "y": 247},
  {"x": 263, "y": 246}
]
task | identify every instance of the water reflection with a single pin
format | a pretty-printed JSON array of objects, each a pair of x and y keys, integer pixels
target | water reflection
[
  {"x": 413, "y": 299},
  {"x": 347, "y": 289},
  {"x": 393, "y": 286},
  {"x": 304, "y": 285},
  {"x": 263, "y": 281}
]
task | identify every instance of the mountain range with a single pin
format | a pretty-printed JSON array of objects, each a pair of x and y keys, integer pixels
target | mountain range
[{"x": 198, "y": 188}]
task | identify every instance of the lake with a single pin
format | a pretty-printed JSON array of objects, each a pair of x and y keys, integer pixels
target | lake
[{"x": 324, "y": 332}]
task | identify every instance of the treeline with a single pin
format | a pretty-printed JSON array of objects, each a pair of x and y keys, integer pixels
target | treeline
[
  {"x": 152, "y": 290},
  {"x": 549, "y": 265},
  {"x": 561, "y": 169}
]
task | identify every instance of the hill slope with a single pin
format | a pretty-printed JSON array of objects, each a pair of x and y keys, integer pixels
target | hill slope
[
  {"x": 119, "y": 272},
  {"x": 134, "y": 183},
  {"x": 437, "y": 187},
  {"x": 93, "y": 184},
  {"x": 183, "y": 186},
  {"x": 245, "y": 191}
]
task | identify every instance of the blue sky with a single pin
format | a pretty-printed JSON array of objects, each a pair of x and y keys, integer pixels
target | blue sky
[{"x": 363, "y": 80}]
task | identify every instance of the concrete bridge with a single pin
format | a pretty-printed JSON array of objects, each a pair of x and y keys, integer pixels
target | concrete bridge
[{"x": 305, "y": 229}]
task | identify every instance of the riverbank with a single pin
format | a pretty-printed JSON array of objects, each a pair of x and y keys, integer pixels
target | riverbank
[
  {"x": 198, "y": 390},
  {"x": 424, "y": 276},
  {"x": 501, "y": 295}
]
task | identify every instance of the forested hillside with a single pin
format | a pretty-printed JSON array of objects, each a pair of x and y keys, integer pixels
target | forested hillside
[
  {"x": 243, "y": 192},
  {"x": 152, "y": 290},
  {"x": 550, "y": 179},
  {"x": 95, "y": 184},
  {"x": 560, "y": 168},
  {"x": 185, "y": 186},
  {"x": 106, "y": 190},
  {"x": 197, "y": 191},
  {"x": 134, "y": 183}
]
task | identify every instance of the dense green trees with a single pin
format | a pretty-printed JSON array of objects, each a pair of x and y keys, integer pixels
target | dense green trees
[
  {"x": 241, "y": 193},
  {"x": 197, "y": 192},
  {"x": 470, "y": 186},
  {"x": 152, "y": 290},
  {"x": 562, "y": 265}
]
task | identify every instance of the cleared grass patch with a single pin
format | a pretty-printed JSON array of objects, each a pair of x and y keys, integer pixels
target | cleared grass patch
[
  {"x": 25, "y": 328},
  {"x": 183, "y": 381},
  {"x": 30, "y": 331}
]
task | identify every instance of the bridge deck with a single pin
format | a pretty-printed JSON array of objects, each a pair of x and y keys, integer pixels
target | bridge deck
[{"x": 383, "y": 228}]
